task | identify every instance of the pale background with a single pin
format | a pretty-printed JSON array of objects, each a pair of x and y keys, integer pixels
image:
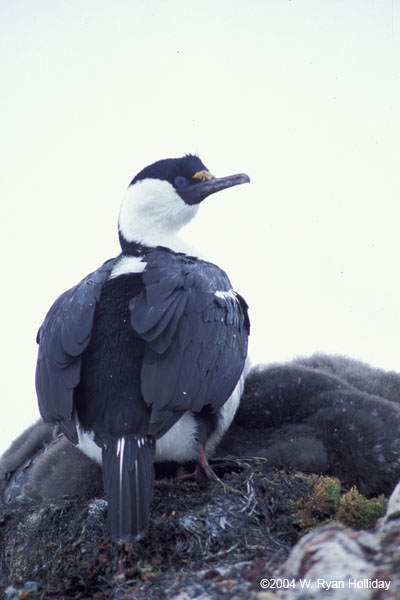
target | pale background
[{"x": 303, "y": 95}]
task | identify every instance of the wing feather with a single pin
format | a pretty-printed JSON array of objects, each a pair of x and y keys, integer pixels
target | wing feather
[
  {"x": 196, "y": 331},
  {"x": 63, "y": 337}
]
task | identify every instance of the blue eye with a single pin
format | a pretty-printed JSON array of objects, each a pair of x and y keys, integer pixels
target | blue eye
[{"x": 181, "y": 182}]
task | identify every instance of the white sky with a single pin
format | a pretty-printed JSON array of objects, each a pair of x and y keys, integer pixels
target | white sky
[{"x": 303, "y": 95}]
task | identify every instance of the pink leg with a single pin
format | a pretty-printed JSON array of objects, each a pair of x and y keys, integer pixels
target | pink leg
[{"x": 202, "y": 466}]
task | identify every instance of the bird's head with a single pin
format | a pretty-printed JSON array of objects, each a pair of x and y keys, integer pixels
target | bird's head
[{"x": 164, "y": 197}]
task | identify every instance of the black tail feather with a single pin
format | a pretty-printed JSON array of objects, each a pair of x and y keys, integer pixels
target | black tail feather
[{"x": 128, "y": 474}]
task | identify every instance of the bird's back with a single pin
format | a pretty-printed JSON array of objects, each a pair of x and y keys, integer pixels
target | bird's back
[{"x": 108, "y": 398}]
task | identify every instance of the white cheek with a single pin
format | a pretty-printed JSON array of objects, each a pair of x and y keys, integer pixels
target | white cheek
[{"x": 152, "y": 212}]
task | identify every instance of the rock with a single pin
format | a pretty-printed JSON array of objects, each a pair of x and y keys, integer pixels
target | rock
[{"x": 339, "y": 563}]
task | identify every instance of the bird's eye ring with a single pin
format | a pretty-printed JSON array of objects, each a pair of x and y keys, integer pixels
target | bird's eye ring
[{"x": 181, "y": 182}]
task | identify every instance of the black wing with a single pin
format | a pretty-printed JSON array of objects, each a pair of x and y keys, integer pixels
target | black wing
[
  {"x": 196, "y": 329},
  {"x": 62, "y": 338}
]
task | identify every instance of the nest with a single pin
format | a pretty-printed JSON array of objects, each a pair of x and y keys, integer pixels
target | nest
[{"x": 199, "y": 535}]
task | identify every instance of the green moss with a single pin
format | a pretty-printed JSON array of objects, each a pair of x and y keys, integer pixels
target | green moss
[
  {"x": 360, "y": 512},
  {"x": 321, "y": 505},
  {"x": 325, "y": 504}
]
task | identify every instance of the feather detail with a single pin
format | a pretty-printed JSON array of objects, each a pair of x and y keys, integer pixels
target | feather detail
[{"x": 128, "y": 481}]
